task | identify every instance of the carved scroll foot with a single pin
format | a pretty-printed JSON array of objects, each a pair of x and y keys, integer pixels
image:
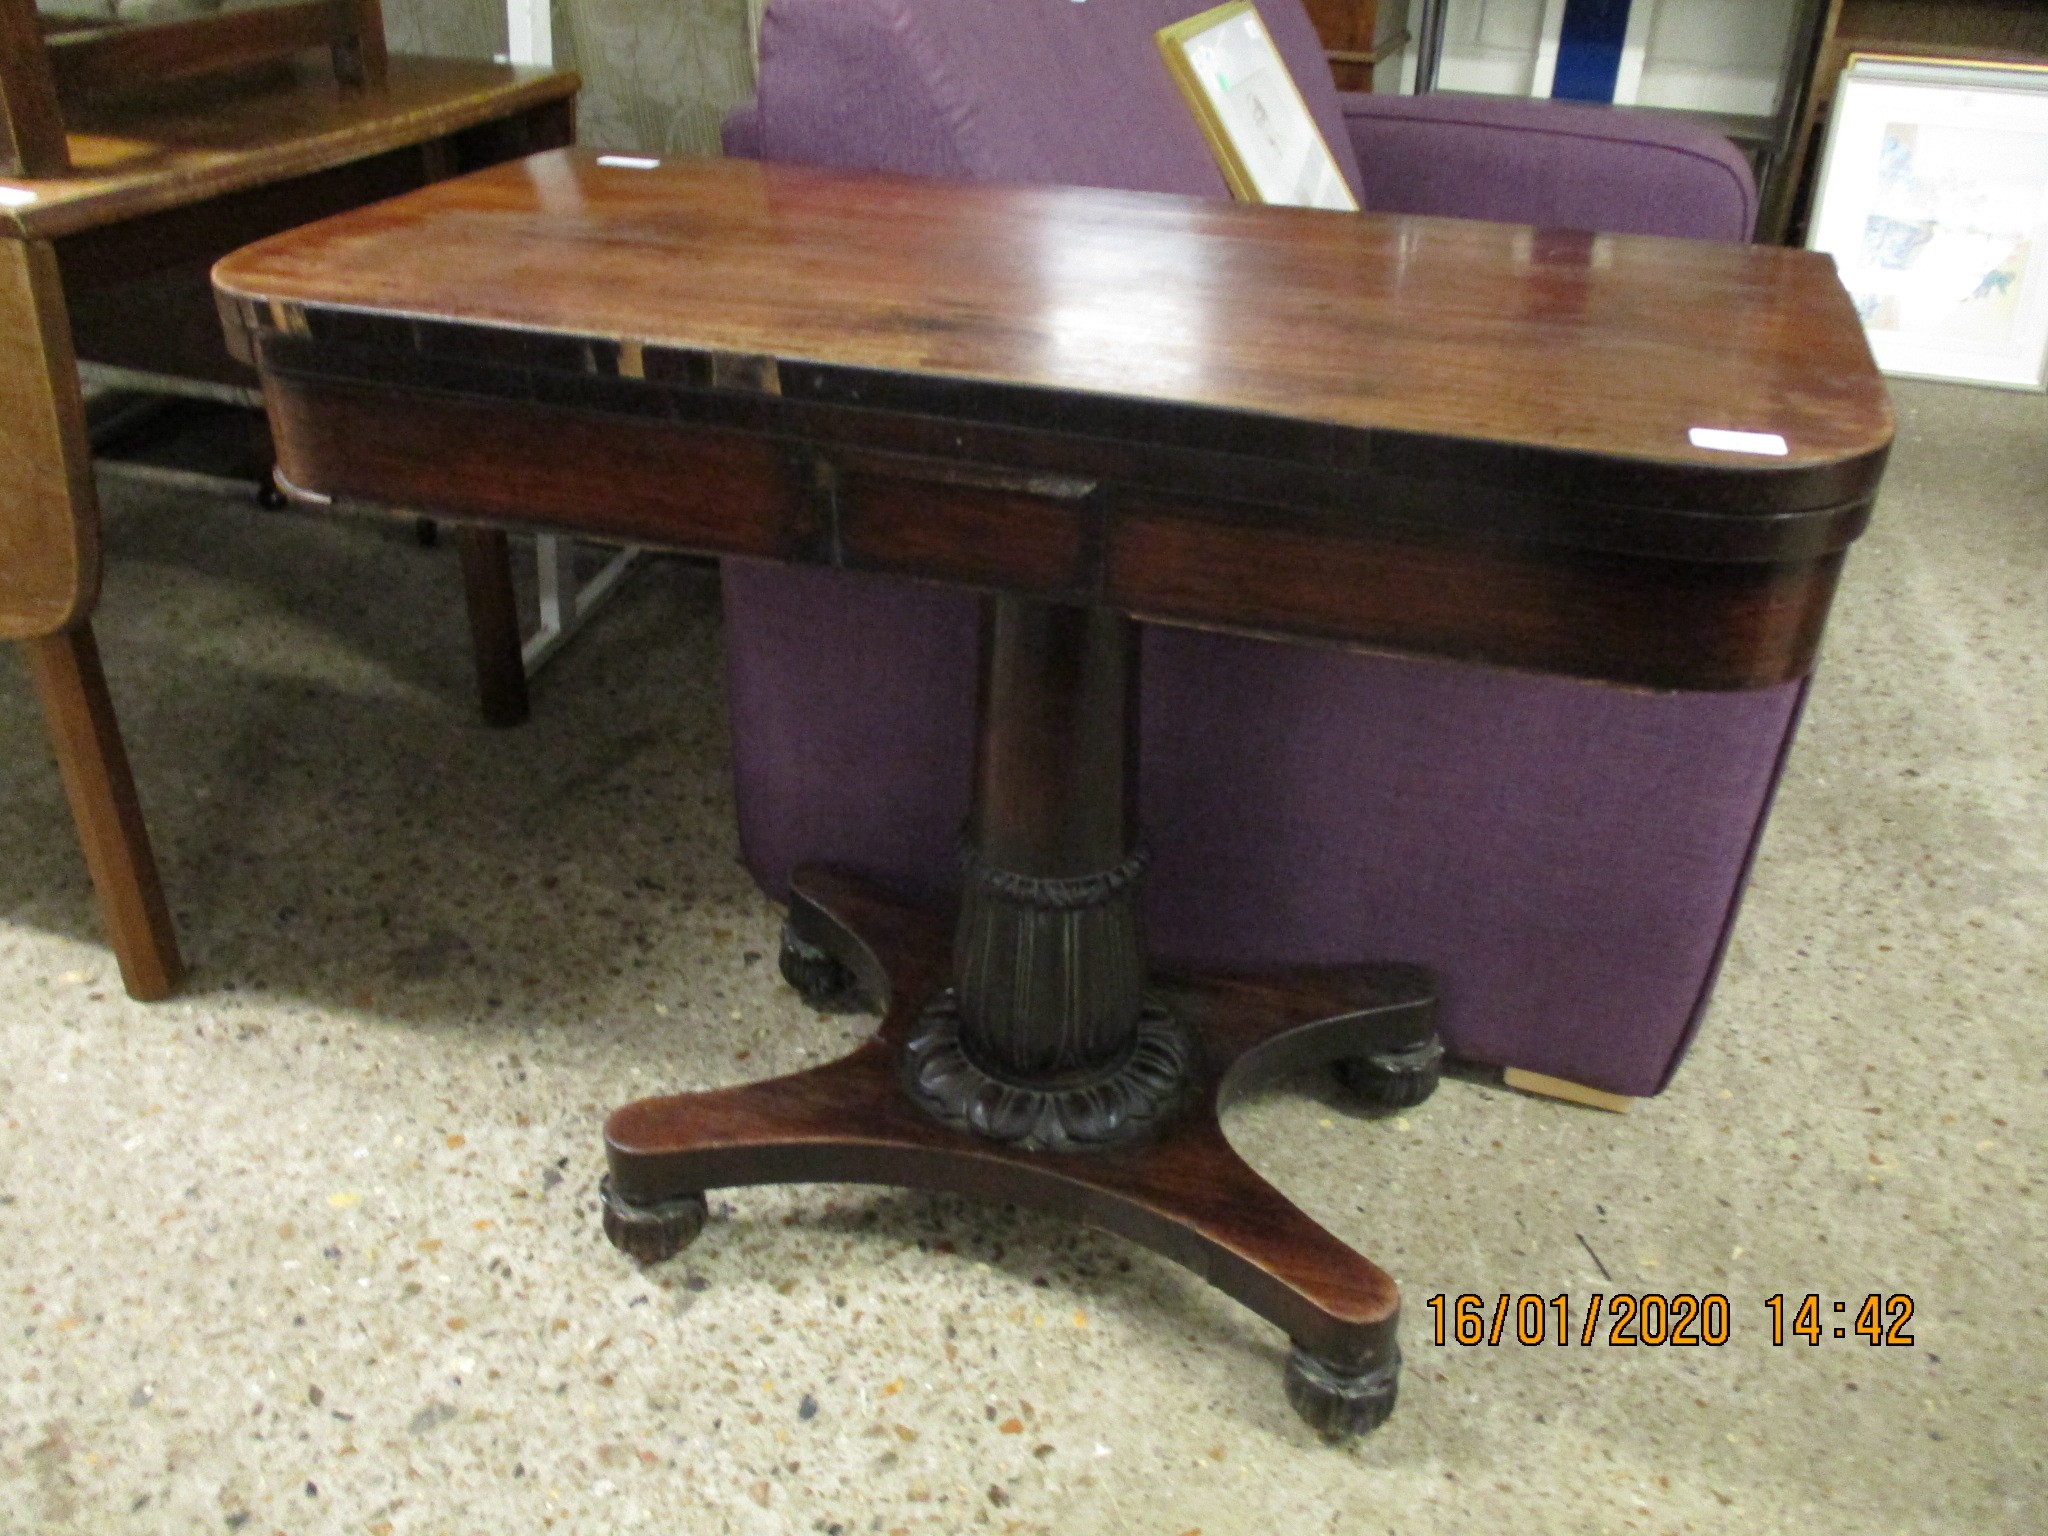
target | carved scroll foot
[
  {"x": 1185, "y": 1193},
  {"x": 1339, "y": 1404},
  {"x": 817, "y": 978},
  {"x": 1396, "y": 1079},
  {"x": 655, "y": 1230}
]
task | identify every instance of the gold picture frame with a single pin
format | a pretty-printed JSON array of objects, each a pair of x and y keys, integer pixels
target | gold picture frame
[{"x": 1251, "y": 112}]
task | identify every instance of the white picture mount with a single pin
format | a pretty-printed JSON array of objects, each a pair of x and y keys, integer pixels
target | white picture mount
[{"x": 1933, "y": 200}]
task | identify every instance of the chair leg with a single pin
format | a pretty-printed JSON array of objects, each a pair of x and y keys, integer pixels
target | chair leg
[
  {"x": 493, "y": 624},
  {"x": 87, "y": 741}
]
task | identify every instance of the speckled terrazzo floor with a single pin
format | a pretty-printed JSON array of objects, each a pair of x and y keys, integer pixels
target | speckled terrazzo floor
[{"x": 314, "y": 1246}]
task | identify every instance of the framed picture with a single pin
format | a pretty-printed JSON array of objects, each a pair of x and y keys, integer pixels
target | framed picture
[
  {"x": 1251, "y": 111},
  {"x": 1933, "y": 200}
]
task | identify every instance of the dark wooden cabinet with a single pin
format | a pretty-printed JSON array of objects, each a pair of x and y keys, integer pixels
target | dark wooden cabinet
[{"x": 1354, "y": 39}]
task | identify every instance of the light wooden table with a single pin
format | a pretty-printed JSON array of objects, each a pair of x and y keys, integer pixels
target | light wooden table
[{"x": 158, "y": 189}]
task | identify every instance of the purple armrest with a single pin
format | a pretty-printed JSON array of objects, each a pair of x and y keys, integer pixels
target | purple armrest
[{"x": 1555, "y": 163}]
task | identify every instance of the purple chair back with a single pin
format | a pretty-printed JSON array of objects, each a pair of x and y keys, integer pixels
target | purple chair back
[{"x": 1020, "y": 91}]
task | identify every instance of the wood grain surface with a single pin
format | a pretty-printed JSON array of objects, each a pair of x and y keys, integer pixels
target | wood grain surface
[
  {"x": 85, "y": 738},
  {"x": 31, "y": 118},
  {"x": 1613, "y": 346},
  {"x": 1418, "y": 435},
  {"x": 128, "y": 55},
  {"x": 49, "y": 511},
  {"x": 130, "y": 157}
]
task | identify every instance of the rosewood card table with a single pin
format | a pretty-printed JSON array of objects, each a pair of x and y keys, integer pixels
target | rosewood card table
[{"x": 1463, "y": 439}]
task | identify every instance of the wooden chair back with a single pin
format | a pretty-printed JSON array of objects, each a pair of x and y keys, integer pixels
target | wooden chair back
[{"x": 44, "y": 68}]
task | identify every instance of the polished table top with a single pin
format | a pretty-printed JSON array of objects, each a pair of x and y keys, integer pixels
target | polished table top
[{"x": 1337, "y": 378}]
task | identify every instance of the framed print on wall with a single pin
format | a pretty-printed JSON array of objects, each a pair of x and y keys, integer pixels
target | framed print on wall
[
  {"x": 1250, "y": 110},
  {"x": 1933, "y": 200}
]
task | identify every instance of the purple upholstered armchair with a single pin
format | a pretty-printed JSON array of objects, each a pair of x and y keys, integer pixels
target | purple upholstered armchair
[{"x": 1568, "y": 857}]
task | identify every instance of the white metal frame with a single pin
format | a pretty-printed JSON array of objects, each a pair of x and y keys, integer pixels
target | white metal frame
[
  {"x": 529, "y": 32},
  {"x": 1548, "y": 37},
  {"x": 107, "y": 376},
  {"x": 153, "y": 388},
  {"x": 1635, "y": 47},
  {"x": 564, "y": 606}
]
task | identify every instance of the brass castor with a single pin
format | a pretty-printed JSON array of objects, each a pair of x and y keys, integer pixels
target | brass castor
[
  {"x": 820, "y": 981},
  {"x": 1340, "y": 1404},
  {"x": 1397, "y": 1079},
  {"x": 651, "y": 1233}
]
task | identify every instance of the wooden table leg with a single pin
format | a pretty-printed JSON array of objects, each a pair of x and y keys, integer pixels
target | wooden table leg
[
  {"x": 493, "y": 624},
  {"x": 1026, "y": 1052},
  {"x": 86, "y": 738}
]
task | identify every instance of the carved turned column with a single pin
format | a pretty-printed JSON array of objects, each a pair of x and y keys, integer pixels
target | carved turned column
[{"x": 1046, "y": 1038}]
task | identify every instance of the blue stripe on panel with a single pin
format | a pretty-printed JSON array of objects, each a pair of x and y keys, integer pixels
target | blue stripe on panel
[{"x": 1589, "y": 49}]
